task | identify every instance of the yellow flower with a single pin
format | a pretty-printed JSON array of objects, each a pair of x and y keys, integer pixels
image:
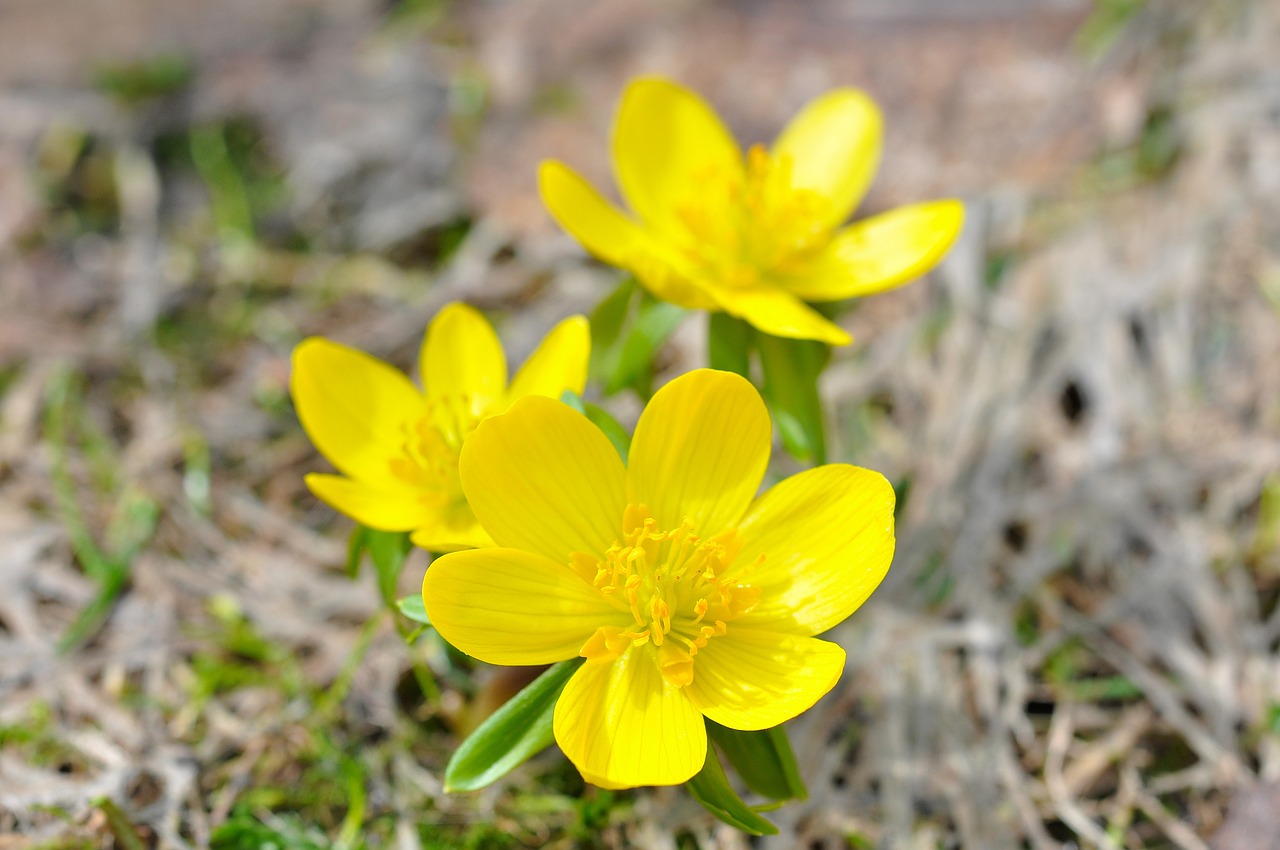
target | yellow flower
[
  {"x": 396, "y": 446},
  {"x": 757, "y": 236},
  {"x": 687, "y": 595}
]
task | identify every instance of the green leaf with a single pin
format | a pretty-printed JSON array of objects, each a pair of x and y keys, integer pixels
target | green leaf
[
  {"x": 602, "y": 419},
  {"x": 511, "y": 735},
  {"x": 357, "y": 545},
  {"x": 574, "y": 400},
  {"x": 246, "y": 831},
  {"x": 387, "y": 550},
  {"x": 655, "y": 321},
  {"x": 791, "y": 370},
  {"x": 611, "y": 427},
  {"x": 763, "y": 759},
  {"x": 607, "y": 320},
  {"x": 229, "y": 200},
  {"x": 412, "y": 607},
  {"x": 901, "y": 492},
  {"x": 627, "y": 329},
  {"x": 729, "y": 343},
  {"x": 713, "y": 791}
]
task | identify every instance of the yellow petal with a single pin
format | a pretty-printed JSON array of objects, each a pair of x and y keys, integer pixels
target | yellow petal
[
  {"x": 601, "y": 782},
  {"x": 700, "y": 451},
  {"x": 780, "y": 313},
  {"x": 450, "y": 531},
  {"x": 542, "y": 478},
  {"x": 669, "y": 279},
  {"x": 612, "y": 237},
  {"x": 756, "y": 679},
  {"x": 834, "y": 148},
  {"x": 388, "y": 508},
  {"x": 623, "y": 725},
  {"x": 668, "y": 145},
  {"x": 881, "y": 252},
  {"x": 602, "y": 229},
  {"x": 354, "y": 407},
  {"x": 462, "y": 362},
  {"x": 827, "y": 539},
  {"x": 505, "y": 606},
  {"x": 558, "y": 364}
]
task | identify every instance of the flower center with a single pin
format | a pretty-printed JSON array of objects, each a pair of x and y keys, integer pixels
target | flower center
[
  {"x": 745, "y": 230},
  {"x": 672, "y": 588},
  {"x": 429, "y": 452}
]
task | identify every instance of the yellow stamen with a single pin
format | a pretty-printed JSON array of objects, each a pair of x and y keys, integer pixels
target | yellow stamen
[
  {"x": 667, "y": 583},
  {"x": 606, "y": 644},
  {"x": 747, "y": 229},
  {"x": 700, "y": 609}
]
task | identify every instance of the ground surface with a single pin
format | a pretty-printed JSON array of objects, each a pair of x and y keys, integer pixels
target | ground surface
[{"x": 1076, "y": 645}]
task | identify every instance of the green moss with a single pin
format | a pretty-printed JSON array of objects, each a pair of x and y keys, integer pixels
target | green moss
[{"x": 36, "y": 741}]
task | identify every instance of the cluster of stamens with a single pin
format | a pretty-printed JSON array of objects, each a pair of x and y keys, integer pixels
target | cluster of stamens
[
  {"x": 745, "y": 229},
  {"x": 428, "y": 458},
  {"x": 673, "y": 584}
]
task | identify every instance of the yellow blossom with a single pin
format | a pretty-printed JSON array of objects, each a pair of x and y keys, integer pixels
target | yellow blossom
[
  {"x": 754, "y": 236},
  {"x": 396, "y": 446},
  {"x": 687, "y": 595}
]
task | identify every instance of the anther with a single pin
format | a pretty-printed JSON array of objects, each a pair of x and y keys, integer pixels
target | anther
[{"x": 658, "y": 608}]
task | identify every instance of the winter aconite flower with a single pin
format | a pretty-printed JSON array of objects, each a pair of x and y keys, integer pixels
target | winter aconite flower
[
  {"x": 754, "y": 236},
  {"x": 396, "y": 446},
  {"x": 687, "y": 595}
]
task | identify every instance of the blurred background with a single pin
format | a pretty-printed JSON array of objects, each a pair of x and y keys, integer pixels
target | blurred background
[{"x": 1076, "y": 646}]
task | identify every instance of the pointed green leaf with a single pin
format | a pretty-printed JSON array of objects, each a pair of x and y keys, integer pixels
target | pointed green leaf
[
  {"x": 729, "y": 343},
  {"x": 901, "y": 492},
  {"x": 607, "y": 320},
  {"x": 611, "y": 427},
  {"x": 412, "y": 607},
  {"x": 763, "y": 759},
  {"x": 654, "y": 321},
  {"x": 602, "y": 419},
  {"x": 712, "y": 789},
  {"x": 387, "y": 550},
  {"x": 627, "y": 329},
  {"x": 511, "y": 735},
  {"x": 357, "y": 545},
  {"x": 574, "y": 400},
  {"x": 791, "y": 370}
]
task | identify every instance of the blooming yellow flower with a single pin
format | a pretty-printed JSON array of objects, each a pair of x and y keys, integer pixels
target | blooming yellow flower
[
  {"x": 398, "y": 447},
  {"x": 757, "y": 236},
  {"x": 687, "y": 595}
]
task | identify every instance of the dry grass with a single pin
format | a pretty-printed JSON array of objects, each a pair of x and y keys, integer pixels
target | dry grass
[{"x": 1076, "y": 645}]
